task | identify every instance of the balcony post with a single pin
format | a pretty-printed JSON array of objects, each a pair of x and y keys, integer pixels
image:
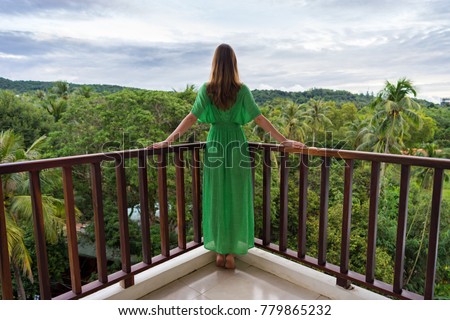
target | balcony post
[
  {"x": 143, "y": 204},
  {"x": 346, "y": 223},
  {"x": 283, "y": 201},
  {"x": 72, "y": 242},
  {"x": 251, "y": 152},
  {"x": 323, "y": 219},
  {"x": 266, "y": 197},
  {"x": 5, "y": 271},
  {"x": 39, "y": 236},
  {"x": 196, "y": 195},
  {"x": 181, "y": 201},
  {"x": 401, "y": 229},
  {"x": 163, "y": 208},
  {"x": 303, "y": 203},
  {"x": 99, "y": 222},
  {"x": 121, "y": 186},
  {"x": 373, "y": 217},
  {"x": 434, "y": 233}
]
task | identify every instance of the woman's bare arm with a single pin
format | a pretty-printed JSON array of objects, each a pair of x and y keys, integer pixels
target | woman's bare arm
[
  {"x": 264, "y": 123},
  {"x": 184, "y": 125}
]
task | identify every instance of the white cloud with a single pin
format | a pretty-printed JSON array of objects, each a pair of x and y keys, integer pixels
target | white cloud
[
  {"x": 293, "y": 88},
  {"x": 11, "y": 56}
]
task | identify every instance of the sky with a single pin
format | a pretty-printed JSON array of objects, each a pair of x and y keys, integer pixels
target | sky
[{"x": 292, "y": 45}]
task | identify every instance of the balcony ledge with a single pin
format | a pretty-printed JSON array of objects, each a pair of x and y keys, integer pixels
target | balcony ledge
[{"x": 299, "y": 275}]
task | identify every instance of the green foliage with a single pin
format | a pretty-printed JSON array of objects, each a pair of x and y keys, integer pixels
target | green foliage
[
  {"x": 441, "y": 115},
  {"x": 416, "y": 137},
  {"x": 58, "y": 266},
  {"x": 23, "y": 116}
]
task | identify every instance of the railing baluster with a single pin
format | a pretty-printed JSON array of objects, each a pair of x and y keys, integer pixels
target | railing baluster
[
  {"x": 283, "y": 201},
  {"x": 163, "y": 207},
  {"x": 122, "y": 205},
  {"x": 196, "y": 195},
  {"x": 266, "y": 197},
  {"x": 373, "y": 215},
  {"x": 181, "y": 201},
  {"x": 251, "y": 152},
  {"x": 401, "y": 229},
  {"x": 303, "y": 204},
  {"x": 346, "y": 223},
  {"x": 434, "y": 233},
  {"x": 39, "y": 235},
  {"x": 99, "y": 222},
  {"x": 5, "y": 271},
  {"x": 323, "y": 219},
  {"x": 71, "y": 228},
  {"x": 145, "y": 214}
]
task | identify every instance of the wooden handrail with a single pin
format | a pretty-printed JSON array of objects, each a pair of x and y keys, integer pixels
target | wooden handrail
[
  {"x": 360, "y": 155},
  {"x": 37, "y": 165}
]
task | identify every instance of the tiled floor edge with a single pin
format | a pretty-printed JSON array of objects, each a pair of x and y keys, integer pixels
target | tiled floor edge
[
  {"x": 157, "y": 277},
  {"x": 306, "y": 277}
]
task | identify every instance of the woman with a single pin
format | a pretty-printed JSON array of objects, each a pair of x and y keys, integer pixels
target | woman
[{"x": 227, "y": 200}]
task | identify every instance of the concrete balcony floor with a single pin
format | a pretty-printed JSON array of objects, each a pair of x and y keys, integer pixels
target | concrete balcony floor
[
  {"x": 246, "y": 282},
  {"x": 259, "y": 275}
]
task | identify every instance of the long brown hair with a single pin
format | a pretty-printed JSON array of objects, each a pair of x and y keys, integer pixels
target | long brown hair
[{"x": 224, "y": 82}]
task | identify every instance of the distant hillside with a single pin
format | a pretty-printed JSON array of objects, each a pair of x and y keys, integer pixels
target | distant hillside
[
  {"x": 339, "y": 96},
  {"x": 261, "y": 96},
  {"x": 21, "y": 86}
]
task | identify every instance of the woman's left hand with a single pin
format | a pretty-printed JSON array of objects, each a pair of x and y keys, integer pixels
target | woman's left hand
[{"x": 293, "y": 144}]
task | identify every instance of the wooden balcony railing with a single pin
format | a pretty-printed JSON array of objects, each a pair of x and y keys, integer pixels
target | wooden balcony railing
[
  {"x": 343, "y": 274},
  {"x": 126, "y": 275}
]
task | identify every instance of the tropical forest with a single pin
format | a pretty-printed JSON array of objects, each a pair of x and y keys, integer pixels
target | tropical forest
[{"x": 41, "y": 120}]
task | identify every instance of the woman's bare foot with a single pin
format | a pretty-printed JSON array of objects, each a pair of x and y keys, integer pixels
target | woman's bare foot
[
  {"x": 229, "y": 262},
  {"x": 220, "y": 260}
]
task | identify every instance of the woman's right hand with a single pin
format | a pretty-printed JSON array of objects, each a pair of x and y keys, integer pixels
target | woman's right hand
[
  {"x": 293, "y": 144},
  {"x": 159, "y": 145}
]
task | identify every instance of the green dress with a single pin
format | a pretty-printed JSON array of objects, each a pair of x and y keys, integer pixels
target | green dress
[{"x": 227, "y": 200}]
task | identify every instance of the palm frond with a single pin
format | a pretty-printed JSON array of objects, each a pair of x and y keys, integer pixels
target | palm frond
[
  {"x": 53, "y": 210},
  {"x": 33, "y": 151},
  {"x": 414, "y": 118},
  {"x": 16, "y": 247}
]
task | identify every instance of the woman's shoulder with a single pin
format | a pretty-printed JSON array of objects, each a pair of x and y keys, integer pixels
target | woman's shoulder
[
  {"x": 202, "y": 90},
  {"x": 244, "y": 90}
]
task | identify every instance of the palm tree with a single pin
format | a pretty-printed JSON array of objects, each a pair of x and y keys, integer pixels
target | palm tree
[
  {"x": 316, "y": 117},
  {"x": 85, "y": 91},
  {"x": 372, "y": 138},
  {"x": 55, "y": 106},
  {"x": 356, "y": 130},
  {"x": 293, "y": 122},
  {"x": 396, "y": 110},
  {"x": 17, "y": 203},
  {"x": 61, "y": 89}
]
